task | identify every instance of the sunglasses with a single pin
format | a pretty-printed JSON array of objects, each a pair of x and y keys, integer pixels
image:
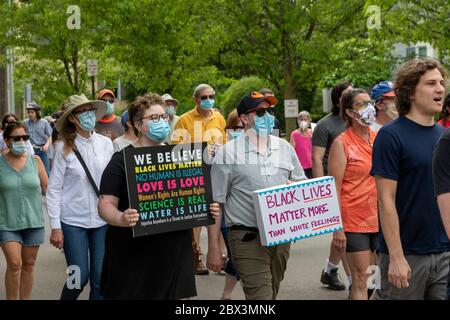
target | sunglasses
[
  {"x": 110, "y": 101},
  {"x": 238, "y": 128},
  {"x": 262, "y": 112},
  {"x": 364, "y": 104},
  {"x": 211, "y": 97},
  {"x": 18, "y": 138}
]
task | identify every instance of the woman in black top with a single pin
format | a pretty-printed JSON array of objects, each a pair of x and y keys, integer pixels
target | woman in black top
[{"x": 159, "y": 266}]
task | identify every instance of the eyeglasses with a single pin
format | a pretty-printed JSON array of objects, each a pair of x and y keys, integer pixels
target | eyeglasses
[
  {"x": 84, "y": 110},
  {"x": 18, "y": 138},
  {"x": 211, "y": 97},
  {"x": 262, "y": 112},
  {"x": 364, "y": 104},
  {"x": 110, "y": 100},
  {"x": 157, "y": 117}
]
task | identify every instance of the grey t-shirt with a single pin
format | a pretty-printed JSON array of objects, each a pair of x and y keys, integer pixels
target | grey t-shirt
[
  {"x": 112, "y": 129},
  {"x": 39, "y": 131},
  {"x": 326, "y": 130},
  {"x": 238, "y": 170}
]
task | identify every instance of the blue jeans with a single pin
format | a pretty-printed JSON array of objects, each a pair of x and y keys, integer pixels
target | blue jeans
[
  {"x": 44, "y": 157},
  {"x": 83, "y": 248}
]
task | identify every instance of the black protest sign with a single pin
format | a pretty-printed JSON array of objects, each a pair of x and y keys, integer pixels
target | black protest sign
[{"x": 169, "y": 186}]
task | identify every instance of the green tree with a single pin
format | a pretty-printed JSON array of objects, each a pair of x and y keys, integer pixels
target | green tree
[
  {"x": 413, "y": 21},
  {"x": 240, "y": 88}
]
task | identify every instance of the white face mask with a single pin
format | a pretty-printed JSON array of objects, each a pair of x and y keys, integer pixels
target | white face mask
[
  {"x": 365, "y": 116},
  {"x": 303, "y": 124}
]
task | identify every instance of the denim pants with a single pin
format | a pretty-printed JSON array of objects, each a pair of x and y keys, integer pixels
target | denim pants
[
  {"x": 44, "y": 157},
  {"x": 84, "y": 250}
]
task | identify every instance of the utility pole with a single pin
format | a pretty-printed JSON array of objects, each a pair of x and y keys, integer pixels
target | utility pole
[
  {"x": 92, "y": 71},
  {"x": 10, "y": 75}
]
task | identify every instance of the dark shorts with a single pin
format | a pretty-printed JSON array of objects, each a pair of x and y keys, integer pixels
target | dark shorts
[
  {"x": 361, "y": 241},
  {"x": 27, "y": 237},
  {"x": 308, "y": 173}
]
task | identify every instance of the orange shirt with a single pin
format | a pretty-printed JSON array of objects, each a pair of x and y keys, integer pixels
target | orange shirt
[{"x": 358, "y": 197}]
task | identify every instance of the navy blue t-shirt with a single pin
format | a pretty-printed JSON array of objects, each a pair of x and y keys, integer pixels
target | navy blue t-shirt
[{"x": 403, "y": 151}]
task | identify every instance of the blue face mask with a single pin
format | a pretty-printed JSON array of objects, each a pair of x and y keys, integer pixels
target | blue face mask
[
  {"x": 110, "y": 109},
  {"x": 264, "y": 125},
  {"x": 19, "y": 148},
  {"x": 170, "y": 110},
  {"x": 207, "y": 104},
  {"x": 158, "y": 131},
  {"x": 87, "y": 120},
  {"x": 237, "y": 133}
]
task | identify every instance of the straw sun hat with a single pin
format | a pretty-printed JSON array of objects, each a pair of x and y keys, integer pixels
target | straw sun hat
[{"x": 77, "y": 101}]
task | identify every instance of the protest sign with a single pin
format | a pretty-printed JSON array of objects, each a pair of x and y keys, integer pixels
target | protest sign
[
  {"x": 169, "y": 186},
  {"x": 300, "y": 210}
]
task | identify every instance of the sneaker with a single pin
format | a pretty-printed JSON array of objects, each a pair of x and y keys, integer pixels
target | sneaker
[
  {"x": 332, "y": 280},
  {"x": 201, "y": 269}
]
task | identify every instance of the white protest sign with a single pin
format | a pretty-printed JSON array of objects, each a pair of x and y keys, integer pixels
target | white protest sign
[
  {"x": 92, "y": 67},
  {"x": 291, "y": 108},
  {"x": 297, "y": 211}
]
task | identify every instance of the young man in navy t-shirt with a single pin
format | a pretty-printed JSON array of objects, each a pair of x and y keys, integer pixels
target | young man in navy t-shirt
[{"x": 414, "y": 250}]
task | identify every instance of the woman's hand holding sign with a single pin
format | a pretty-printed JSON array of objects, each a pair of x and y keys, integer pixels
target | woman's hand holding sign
[
  {"x": 214, "y": 208},
  {"x": 129, "y": 218}
]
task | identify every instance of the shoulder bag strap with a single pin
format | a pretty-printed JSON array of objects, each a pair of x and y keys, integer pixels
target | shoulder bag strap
[{"x": 83, "y": 164}]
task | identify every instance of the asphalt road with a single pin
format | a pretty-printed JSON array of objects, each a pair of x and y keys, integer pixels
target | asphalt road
[{"x": 301, "y": 280}]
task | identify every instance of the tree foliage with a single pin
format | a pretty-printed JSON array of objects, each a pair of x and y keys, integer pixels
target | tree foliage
[{"x": 295, "y": 46}]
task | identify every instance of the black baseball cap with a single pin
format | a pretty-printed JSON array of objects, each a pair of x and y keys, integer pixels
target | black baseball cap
[{"x": 251, "y": 102}]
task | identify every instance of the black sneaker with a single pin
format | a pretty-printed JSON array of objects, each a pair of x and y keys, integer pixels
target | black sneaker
[{"x": 332, "y": 280}]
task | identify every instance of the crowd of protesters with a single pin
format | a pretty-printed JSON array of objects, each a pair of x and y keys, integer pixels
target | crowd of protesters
[{"x": 389, "y": 157}]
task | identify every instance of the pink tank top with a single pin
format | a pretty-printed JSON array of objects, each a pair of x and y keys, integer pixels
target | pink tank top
[{"x": 303, "y": 148}]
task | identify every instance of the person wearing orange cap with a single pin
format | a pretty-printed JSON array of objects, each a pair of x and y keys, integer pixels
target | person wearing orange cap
[{"x": 110, "y": 125}]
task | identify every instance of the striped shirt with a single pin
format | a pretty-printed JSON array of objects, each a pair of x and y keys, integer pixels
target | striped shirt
[{"x": 39, "y": 131}]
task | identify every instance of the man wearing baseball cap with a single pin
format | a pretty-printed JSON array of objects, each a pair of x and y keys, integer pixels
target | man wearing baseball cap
[
  {"x": 110, "y": 125},
  {"x": 253, "y": 161},
  {"x": 40, "y": 133},
  {"x": 384, "y": 96}
]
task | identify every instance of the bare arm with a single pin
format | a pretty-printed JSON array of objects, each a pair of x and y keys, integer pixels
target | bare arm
[
  {"x": 444, "y": 207},
  {"x": 292, "y": 141},
  {"x": 47, "y": 144},
  {"x": 214, "y": 257},
  {"x": 107, "y": 208},
  {"x": 317, "y": 156},
  {"x": 42, "y": 174},
  {"x": 399, "y": 270},
  {"x": 336, "y": 168}
]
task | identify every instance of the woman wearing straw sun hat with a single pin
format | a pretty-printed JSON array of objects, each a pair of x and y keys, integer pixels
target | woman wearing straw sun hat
[{"x": 81, "y": 155}]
